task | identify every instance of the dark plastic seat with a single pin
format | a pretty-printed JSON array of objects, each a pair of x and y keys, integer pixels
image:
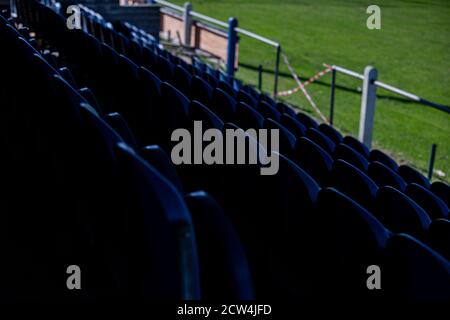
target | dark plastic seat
[
  {"x": 399, "y": 213},
  {"x": 148, "y": 58},
  {"x": 89, "y": 96},
  {"x": 285, "y": 108},
  {"x": 243, "y": 96},
  {"x": 354, "y": 183},
  {"x": 442, "y": 190},
  {"x": 306, "y": 120},
  {"x": 356, "y": 145},
  {"x": 414, "y": 271},
  {"x": 264, "y": 97},
  {"x": 164, "y": 69},
  {"x": 182, "y": 80},
  {"x": 159, "y": 159},
  {"x": 225, "y": 273},
  {"x": 211, "y": 79},
  {"x": 320, "y": 139},
  {"x": 346, "y": 153},
  {"x": 251, "y": 91},
  {"x": 150, "y": 82},
  {"x": 351, "y": 237},
  {"x": 439, "y": 237},
  {"x": 294, "y": 126},
  {"x": 201, "y": 90},
  {"x": 411, "y": 175},
  {"x": 331, "y": 133},
  {"x": 51, "y": 59},
  {"x": 313, "y": 159},
  {"x": 223, "y": 105},
  {"x": 377, "y": 155},
  {"x": 286, "y": 138},
  {"x": 162, "y": 229},
  {"x": 199, "y": 112},
  {"x": 433, "y": 205},
  {"x": 227, "y": 88},
  {"x": 382, "y": 175},
  {"x": 286, "y": 202},
  {"x": 118, "y": 123},
  {"x": 247, "y": 117},
  {"x": 267, "y": 111},
  {"x": 172, "y": 114}
]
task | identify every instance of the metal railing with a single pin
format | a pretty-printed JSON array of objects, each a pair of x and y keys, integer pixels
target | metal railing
[
  {"x": 238, "y": 30},
  {"x": 385, "y": 86}
]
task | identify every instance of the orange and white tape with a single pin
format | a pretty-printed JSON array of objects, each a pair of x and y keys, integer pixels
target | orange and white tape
[
  {"x": 308, "y": 82},
  {"x": 302, "y": 88}
]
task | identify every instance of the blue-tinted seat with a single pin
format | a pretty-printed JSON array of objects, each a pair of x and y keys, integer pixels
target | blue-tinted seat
[
  {"x": 264, "y": 97},
  {"x": 414, "y": 271},
  {"x": 223, "y": 105},
  {"x": 201, "y": 90},
  {"x": 182, "y": 80},
  {"x": 159, "y": 159},
  {"x": 148, "y": 58},
  {"x": 331, "y": 133},
  {"x": 161, "y": 233},
  {"x": 346, "y": 153},
  {"x": 211, "y": 79},
  {"x": 439, "y": 237},
  {"x": 306, "y": 120},
  {"x": 247, "y": 117},
  {"x": 267, "y": 111},
  {"x": 150, "y": 83},
  {"x": 313, "y": 159},
  {"x": 118, "y": 123},
  {"x": 442, "y": 190},
  {"x": 227, "y": 88},
  {"x": 433, "y": 205},
  {"x": 353, "y": 182},
  {"x": 344, "y": 232},
  {"x": 251, "y": 91},
  {"x": 285, "y": 108},
  {"x": 225, "y": 273},
  {"x": 89, "y": 96},
  {"x": 377, "y": 155},
  {"x": 296, "y": 128},
  {"x": 243, "y": 96},
  {"x": 199, "y": 112},
  {"x": 320, "y": 139},
  {"x": 67, "y": 75},
  {"x": 382, "y": 175},
  {"x": 286, "y": 138},
  {"x": 411, "y": 175},
  {"x": 356, "y": 145},
  {"x": 169, "y": 116},
  {"x": 286, "y": 203},
  {"x": 164, "y": 69},
  {"x": 399, "y": 213}
]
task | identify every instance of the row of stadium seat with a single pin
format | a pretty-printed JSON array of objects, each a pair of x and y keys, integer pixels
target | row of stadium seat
[{"x": 103, "y": 146}]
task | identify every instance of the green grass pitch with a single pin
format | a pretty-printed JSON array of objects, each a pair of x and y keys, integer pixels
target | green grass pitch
[{"x": 411, "y": 51}]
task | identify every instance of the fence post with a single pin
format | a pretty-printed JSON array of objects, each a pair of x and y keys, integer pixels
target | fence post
[
  {"x": 368, "y": 100},
  {"x": 333, "y": 83},
  {"x": 277, "y": 70},
  {"x": 231, "y": 50},
  {"x": 187, "y": 23},
  {"x": 260, "y": 70},
  {"x": 431, "y": 163}
]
